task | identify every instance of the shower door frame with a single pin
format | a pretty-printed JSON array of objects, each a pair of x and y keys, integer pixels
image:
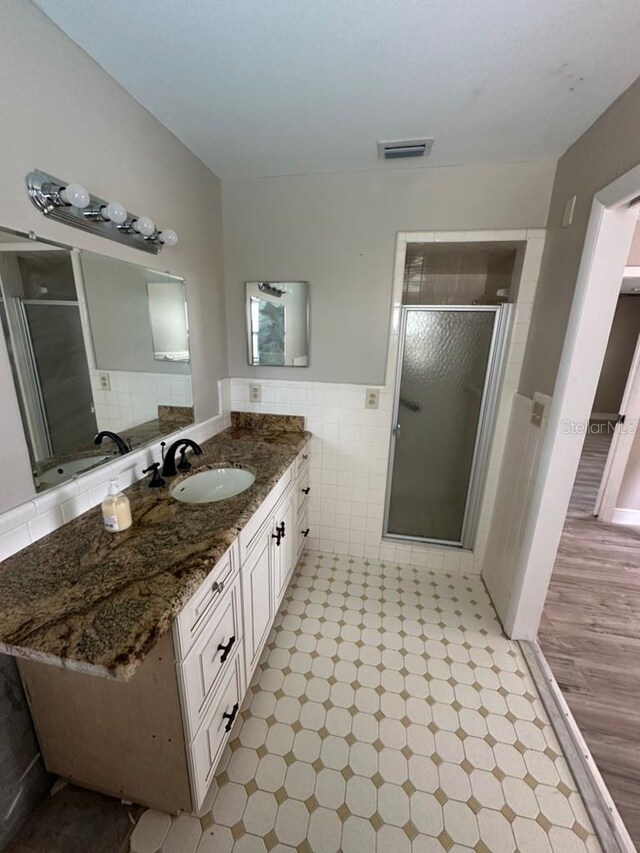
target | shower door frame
[{"x": 494, "y": 373}]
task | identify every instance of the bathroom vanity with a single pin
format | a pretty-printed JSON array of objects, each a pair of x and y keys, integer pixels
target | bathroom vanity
[{"x": 136, "y": 649}]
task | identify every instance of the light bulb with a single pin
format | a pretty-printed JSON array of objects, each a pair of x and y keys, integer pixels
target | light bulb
[
  {"x": 144, "y": 225},
  {"x": 114, "y": 212},
  {"x": 75, "y": 195},
  {"x": 168, "y": 237}
]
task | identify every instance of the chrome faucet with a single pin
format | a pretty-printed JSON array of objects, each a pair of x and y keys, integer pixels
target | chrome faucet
[
  {"x": 169, "y": 467},
  {"x": 119, "y": 442}
]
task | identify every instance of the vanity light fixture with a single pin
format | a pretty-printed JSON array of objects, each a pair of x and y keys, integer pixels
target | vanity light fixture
[
  {"x": 72, "y": 204},
  {"x": 168, "y": 237},
  {"x": 114, "y": 212},
  {"x": 76, "y": 195}
]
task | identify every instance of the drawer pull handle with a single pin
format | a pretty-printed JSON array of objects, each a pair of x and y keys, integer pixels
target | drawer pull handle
[
  {"x": 306, "y": 491},
  {"x": 305, "y": 533},
  {"x": 305, "y": 455},
  {"x": 218, "y": 586},
  {"x": 230, "y": 717},
  {"x": 226, "y": 649},
  {"x": 282, "y": 529},
  {"x": 277, "y": 536}
]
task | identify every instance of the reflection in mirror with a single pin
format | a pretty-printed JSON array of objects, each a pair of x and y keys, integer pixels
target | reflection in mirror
[
  {"x": 169, "y": 322},
  {"x": 278, "y": 323},
  {"x": 84, "y": 334}
]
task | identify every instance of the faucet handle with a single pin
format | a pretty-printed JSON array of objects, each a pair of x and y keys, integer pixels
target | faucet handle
[
  {"x": 156, "y": 481},
  {"x": 183, "y": 464}
]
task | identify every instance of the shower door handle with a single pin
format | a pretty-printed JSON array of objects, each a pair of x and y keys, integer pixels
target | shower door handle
[{"x": 396, "y": 431}]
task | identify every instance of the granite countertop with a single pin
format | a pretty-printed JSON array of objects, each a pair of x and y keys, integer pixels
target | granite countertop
[{"x": 96, "y": 601}]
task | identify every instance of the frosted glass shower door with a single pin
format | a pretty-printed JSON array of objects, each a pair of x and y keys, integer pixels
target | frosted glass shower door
[{"x": 447, "y": 365}]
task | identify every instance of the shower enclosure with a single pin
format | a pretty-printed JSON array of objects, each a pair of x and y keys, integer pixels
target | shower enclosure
[{"x": 449, "y": 370}]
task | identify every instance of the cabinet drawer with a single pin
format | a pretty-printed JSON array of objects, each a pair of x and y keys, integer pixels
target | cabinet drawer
[
  {"x": 196, "y": 612},
  {"x": 302, "y": 459},
  {"x": 302, "y": 531},
  {"x": 250, "y": 533},
  {"x": 302, "y": 489},
  {"x": 206, "y": 747},
  {"x": 211, "y": 656}
]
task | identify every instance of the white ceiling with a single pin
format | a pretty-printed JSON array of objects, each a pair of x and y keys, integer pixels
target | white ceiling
[{"x": 272, "y": 87}]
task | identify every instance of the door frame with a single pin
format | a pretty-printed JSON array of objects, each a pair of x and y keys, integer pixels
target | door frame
[
  {"x": 604, "y": 256},
  {"x": 529, "y": 244},
  {"x": 621, "y": 444},
  {"x": 486, "y": 419}
]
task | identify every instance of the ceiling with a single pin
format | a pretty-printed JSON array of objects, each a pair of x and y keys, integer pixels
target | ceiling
[{"x": 273, "y": 87}]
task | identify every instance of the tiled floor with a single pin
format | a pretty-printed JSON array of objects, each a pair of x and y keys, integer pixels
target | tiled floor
[{"x": 389, "y": 713}]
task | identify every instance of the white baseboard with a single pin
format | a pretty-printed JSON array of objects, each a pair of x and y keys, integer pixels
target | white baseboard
[{"x": 626, "y": 516}]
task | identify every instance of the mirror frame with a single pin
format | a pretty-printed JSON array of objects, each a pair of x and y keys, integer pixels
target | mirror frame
[{"x": 247, "y": 308}]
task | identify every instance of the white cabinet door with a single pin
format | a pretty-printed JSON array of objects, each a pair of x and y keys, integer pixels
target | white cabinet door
[
  {"x": 257, "y": 598},
  {"x": 302, "y": 531},
  {"x": 284, "y": 548}
]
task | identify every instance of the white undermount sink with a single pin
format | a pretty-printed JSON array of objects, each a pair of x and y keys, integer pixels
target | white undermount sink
[
  {"x": 57, "y": 473},
  {"x": 216, "y": 484}
]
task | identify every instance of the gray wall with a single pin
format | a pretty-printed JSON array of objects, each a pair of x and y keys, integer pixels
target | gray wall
[
  {"x": 617, "y": 359},
  {"x": 607, "y": 150},
  {"x": 338, "y": 232},
  {"x": 122, "y": 153}
]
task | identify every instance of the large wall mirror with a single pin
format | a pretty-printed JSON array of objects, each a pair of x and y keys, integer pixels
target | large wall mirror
[
  {"x": 95, "y": 345},
  {"x": 278, "y": 323}
]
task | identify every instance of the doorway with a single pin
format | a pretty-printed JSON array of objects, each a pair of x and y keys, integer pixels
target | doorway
[
  {"x": 557, "y": 528},
  {"x": 590, "y": 628}
]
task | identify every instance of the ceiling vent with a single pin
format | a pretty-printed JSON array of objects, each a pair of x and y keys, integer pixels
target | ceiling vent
[{"x": 402, "y": 148}]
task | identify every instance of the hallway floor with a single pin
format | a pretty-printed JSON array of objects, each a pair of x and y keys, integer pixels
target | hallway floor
[
  {"x": 389, "y": 713},
  {"x": 590, "y": 634}
]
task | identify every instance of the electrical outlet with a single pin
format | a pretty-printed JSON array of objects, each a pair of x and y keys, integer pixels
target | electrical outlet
[
  {"x": 537, "y": 414},
  {"x": 255, "y": 393},
  {"x": 105, "y": 381},
  {"x": 372, "y": 398}
]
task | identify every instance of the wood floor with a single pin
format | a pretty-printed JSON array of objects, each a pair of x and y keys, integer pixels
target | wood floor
[{"x": 590, "y": 634}]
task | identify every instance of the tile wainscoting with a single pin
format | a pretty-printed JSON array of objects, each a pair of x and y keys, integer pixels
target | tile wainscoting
[
  {"x": 133, "y": 398},
  {"x": 513, "y": 498}
]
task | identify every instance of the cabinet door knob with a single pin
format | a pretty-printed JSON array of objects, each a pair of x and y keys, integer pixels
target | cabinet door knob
[
  {"x": 277, "y": 536},
  {"x": 306, "y": 491},
  {"x": 217, "y": 586},
  {"x": 305, "y": 533},
  {"x": 282, "y": 529},
  {"x": 230, "y": 717},
  {"x": 226, "y": 649},
  {"x": 305, "y": 455}
]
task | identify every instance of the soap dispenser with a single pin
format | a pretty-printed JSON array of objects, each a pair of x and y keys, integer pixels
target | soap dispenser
[{"x": 116, "y": 509}]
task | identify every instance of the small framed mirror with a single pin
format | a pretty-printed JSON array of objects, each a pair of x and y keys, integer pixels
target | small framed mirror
[{"x": 278, "y": 323}]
